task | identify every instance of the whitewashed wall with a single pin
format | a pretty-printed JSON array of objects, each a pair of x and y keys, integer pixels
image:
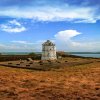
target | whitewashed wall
[{"x": 48, "y": 53}]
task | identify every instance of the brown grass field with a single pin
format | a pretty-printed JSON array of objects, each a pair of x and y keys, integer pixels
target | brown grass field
[{"x": 78, "y": 82}]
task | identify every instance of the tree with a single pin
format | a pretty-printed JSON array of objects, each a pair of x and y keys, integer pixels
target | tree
[{"x": 32, "y": 54}]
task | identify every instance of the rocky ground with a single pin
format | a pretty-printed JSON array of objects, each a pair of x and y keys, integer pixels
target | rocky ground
[{"x": 77, "y": 82}]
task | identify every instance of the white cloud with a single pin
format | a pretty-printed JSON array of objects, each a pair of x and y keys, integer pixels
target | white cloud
[
  {"x": 16, "y": 47},
  {"x": 2, "y": 46},
  {"x": 21, "y": 46},
  {"x": 64, "y": 41},
  {"x": 15, "y": 22},
  {"x": 64, "y": 38},
  {"x": 86, "y": 46},
  {"x": 51, "y": 13},
  {"x": 12, "y": 27},
  {"x": 12, "y": 30},
  {"x": 22, "y": 42},
  {"x": 66, "y": 35},
  {"x": 68, "y": 45}
]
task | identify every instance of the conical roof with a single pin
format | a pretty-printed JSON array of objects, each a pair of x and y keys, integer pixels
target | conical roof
[{"x": 48, "y": 43}]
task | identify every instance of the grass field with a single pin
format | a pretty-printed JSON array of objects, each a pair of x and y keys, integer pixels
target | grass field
[{"x": 81, "y": 82}]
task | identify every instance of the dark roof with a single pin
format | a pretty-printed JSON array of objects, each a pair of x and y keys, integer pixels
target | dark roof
[{"x": 48, "y": 43}]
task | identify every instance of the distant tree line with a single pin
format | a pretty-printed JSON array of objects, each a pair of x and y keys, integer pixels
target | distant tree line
[
  {"x": 18, "y": 57},
  {"x": 33, "y": 55},
  {"x": 61, "y": 53}
]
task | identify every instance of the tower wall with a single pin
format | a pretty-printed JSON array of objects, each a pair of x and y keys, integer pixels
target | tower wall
[{"x": 48, "y": 52}]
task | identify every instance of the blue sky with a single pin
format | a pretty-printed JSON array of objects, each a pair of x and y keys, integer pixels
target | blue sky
[{"x": 73, "y": 25}]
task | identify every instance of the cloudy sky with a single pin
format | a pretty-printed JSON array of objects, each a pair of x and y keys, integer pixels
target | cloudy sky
[{"x": 73, "y": 25}]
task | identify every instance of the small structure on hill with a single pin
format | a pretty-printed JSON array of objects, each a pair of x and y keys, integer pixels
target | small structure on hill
[{"x": 48, "y": 51}]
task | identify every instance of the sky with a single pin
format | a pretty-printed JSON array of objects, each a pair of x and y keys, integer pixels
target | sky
[{"x": 73, "y": 25}]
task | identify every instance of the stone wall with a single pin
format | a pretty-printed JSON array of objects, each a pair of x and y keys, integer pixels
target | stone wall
[{"x": 48, "y": 53}]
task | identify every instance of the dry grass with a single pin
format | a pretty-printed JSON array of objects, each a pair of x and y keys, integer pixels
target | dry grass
[{"x": 80, "y": 82}]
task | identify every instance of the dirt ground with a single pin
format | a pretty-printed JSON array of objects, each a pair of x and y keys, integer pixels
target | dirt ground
[{"x": 78, "y": 82}]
